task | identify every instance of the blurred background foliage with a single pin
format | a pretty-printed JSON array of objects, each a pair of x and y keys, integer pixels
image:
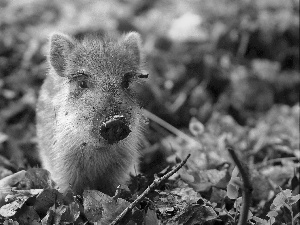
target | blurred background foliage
[
  {"x": 225, "y": 72},
  {"x": 233, "y": 65}
]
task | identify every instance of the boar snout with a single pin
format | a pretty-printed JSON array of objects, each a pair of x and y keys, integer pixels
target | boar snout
[{"x": 115, "y": 129}]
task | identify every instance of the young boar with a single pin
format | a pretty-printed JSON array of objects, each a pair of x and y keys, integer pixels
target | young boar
[{"x": 89, "y": 124}]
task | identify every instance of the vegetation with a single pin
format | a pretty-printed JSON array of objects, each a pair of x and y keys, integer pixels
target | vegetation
[{"x": 223, "y": 88}]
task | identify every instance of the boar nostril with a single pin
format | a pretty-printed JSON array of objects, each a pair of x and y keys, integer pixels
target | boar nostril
[{"x": 114, "y": 130}]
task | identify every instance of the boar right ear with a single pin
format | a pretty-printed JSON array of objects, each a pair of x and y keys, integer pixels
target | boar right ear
[
  {"x": 60, "y": 47},
  {"x": 132, "y": 42}
]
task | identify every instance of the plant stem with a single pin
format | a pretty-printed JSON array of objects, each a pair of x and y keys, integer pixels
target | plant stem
[{"x": 247, "y": 188}]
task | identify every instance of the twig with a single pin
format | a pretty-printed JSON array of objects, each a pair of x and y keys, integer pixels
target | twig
[
  {"x": 154, "y": 184},
  {"x": 243, "y": 44},
  {"x": 247, "y": 188},
  {"x": 169, "y": 127},
  {"x": 271, "y": 161}
]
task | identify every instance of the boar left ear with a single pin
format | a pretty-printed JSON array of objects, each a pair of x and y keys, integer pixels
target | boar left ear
[
  {"x": 60, "y": 48},
  {"x": 132, "y": 42}
]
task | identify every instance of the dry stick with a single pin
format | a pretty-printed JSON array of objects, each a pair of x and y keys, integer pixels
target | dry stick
[
  {"x": 247, "y": 188},
  {"x": 154, "y": 184},
  {"x": 169, "y": 127},
  {"x": 267, "y": 163},
  {"x": 243, "y": 44}
]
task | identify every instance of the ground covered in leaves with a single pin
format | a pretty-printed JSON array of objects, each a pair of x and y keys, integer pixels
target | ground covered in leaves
[{"x": 221, "y": 74}]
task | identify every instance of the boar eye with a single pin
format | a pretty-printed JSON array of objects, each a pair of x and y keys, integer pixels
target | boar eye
[
  {"x": 83, "y": 84},
  {"x": 140, "y": 75},
  {"x": 81, "y": 78},
  {"x": 127, "y": 78}
]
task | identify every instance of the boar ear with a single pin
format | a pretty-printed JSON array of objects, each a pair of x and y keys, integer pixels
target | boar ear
[
  {"x": 60, "y": 47},
  {"x": 132, "y": 42}
]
